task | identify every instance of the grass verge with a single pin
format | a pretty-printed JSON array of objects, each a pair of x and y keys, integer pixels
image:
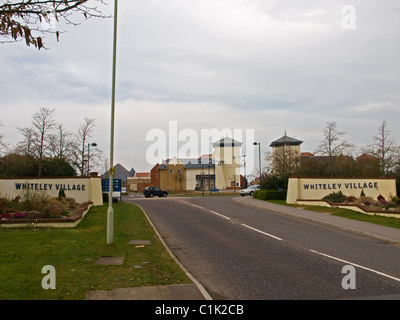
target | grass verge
[
  {"x": 73, "y": 253},
  {"x": 347, "y": 213}
]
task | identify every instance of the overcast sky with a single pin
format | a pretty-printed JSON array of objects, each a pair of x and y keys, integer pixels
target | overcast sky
[{"x": 262, "y": 65}]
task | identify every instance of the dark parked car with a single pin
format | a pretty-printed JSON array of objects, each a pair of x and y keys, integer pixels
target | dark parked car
[{"x": 154, "y": 191}]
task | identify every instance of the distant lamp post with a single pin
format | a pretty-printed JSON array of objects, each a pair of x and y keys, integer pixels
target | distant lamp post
[
  {"x": 209, "y": 176},
  {"x": 94, "y": 144},
  {"x": 244, "y": 168},
  {"x": 259, "y": 156}
]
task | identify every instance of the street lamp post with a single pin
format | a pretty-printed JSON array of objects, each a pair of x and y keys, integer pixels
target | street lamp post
[
  {"x": 110, "y": 211},
  {"x": 202, "y": 178},
  {"x": 259, "y": 156},
  {"x": 244, "y": 167},
  {"x": 209, "y": 176},
  {"x": 94, "y": 144}
]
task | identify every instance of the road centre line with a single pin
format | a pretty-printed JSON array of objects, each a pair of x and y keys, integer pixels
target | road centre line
[
  {"x": 356, "y": 265},
  {"x": 218, "y": 214},
  {"x": 262, "y": 232},
  {"x": 245, "y": 225}
]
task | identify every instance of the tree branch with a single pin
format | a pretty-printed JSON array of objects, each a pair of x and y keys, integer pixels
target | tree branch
[{"x": 19, "y": 19}]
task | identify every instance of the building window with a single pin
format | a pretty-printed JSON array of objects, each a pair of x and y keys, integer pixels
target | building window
[
  {"x": 179, "y": 171},
  {"x": 170, "y": 170}
]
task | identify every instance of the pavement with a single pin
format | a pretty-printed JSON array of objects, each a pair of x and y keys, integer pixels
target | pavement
[
  {"x": 195, "y": 291},
  {"x": 172, "y": 292}
]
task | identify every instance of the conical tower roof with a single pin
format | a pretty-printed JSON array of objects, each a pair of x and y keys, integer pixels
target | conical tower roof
[
  {"x": 227, "y": 142},
  {"x": 286, "y": 141}
]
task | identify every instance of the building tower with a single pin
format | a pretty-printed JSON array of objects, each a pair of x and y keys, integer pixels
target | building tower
[
  {"x": 226, "y": 157},
  {"x": 286, "y": 155}
]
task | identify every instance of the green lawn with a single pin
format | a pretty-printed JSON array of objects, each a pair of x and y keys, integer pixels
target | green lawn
[
  {"x": 73, "y": 252},
  {"x": 347, "y": 213}
]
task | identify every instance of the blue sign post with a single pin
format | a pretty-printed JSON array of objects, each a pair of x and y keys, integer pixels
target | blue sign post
[{"x": 117, "y": 186}]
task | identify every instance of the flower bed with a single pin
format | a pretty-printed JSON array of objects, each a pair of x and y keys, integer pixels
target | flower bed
[
  {"x": 56, "y": 210},
  {"x": 367, "y": 204}
]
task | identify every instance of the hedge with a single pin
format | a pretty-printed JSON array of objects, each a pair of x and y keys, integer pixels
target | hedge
[{"x": 270, "y": 194}]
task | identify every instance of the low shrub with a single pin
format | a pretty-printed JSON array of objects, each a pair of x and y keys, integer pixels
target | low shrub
[
  {"x": 366, "y": 202},
  {"x": 34, "y": 200},
  {"x": 20, "y": 215},
  {"x": 382, "y": 200},
  {"x": 351, "y": 199},
  {"x": 55, "y": 208},
  {"x": 35, "y": 205},
  {"x": 6, "y": 215},
  {"x": 336, "y": 197},
  {"x": 61, "y": 194},
  {"x": 14, "y": 215},
  {"x": 396, "y": 199},
  {"x": 270, "y": 194}
]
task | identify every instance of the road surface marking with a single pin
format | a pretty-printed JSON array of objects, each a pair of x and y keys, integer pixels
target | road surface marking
[
  {"x": 218, "y": 214},
  {"x": 262, "y": 232},
  {"x": 357, "y": 265}
]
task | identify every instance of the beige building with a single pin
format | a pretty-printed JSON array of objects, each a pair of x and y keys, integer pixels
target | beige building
[
  {"x": 172, "y": 175},
  {"x": 286, "y": 155},
  {"x": 219, "y": 170},
  {"x": 227, "y": 163}
]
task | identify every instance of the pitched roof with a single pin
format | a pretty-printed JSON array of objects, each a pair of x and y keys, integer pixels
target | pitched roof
[
  {"x": 142, "y": 174},
  {"x": 366, "y": 157},
  {"x": 284, "y": 141},
  {"x": 120, "y": 173},
  {"x": 307, "y": 154}
]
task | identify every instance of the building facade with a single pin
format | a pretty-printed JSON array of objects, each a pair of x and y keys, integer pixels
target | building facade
[
  {"x": 219, "y": 170},
  {"x": 286, "y": 155}
]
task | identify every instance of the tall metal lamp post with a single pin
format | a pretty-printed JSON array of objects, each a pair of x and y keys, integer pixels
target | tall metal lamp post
[
  {"x": 110, "y": 211},
  {"x": 94, "y": 144},
  {"x": 244, "y": 168},
  {"x": 259, "y": 156}
]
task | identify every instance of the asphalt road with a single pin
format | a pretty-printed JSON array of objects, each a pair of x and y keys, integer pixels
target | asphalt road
[{"x": 239, "y": 252}]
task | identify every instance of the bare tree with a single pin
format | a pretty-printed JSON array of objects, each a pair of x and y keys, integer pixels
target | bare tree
[
  {"x": 3, "y": 145},
  {"x": 19, "y": 19},
  {"x": 26, "y": 146},
  {"x": 106, "y": 166},
  {"x": 285, "y": 160},
  {"x": 62, "y": 143},
  {"x": 82, "y": 140},
  {"x": 333, "y": 146},
  {"x": 43, "y": 123},
  {"x": 384, "y": 148}
]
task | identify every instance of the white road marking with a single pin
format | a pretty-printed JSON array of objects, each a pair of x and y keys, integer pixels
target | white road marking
[
  {"x": 356, "y": 265},
  {"x": 245, "y": 225},
  {"x": 262, "y": 232},
  {"x": 218, "y": 214}
]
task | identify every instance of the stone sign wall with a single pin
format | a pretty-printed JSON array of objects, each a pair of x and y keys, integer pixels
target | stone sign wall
[
  {"x": 317, "y": 188},
  {"x": 81, "y": 189}
]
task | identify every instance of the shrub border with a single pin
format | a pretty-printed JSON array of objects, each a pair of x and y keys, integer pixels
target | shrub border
[
  {"x": 364, "y": 209},
  {"x": 50, "y": 222}
]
